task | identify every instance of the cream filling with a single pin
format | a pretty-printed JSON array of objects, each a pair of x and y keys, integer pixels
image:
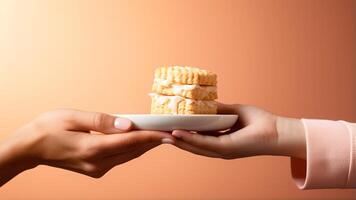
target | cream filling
[
  {"x": 178, "y": 89},
  {"x": 163, "y": 82},
  {"x": 173, "y": 101}
]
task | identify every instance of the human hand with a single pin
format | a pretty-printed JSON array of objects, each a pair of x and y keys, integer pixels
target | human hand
[
  {"x": 63, "y": 138},
  {"x": 257, "y": 132}
]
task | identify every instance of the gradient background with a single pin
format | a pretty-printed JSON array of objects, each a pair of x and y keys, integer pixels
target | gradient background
[{"x": 295, "y": 58}]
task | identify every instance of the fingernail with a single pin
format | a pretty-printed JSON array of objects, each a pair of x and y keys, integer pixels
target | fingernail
[
  {"x": 167, "y": 141},
  {"x": 178, "y": 133},
  {"x": 122, "y": 124}
]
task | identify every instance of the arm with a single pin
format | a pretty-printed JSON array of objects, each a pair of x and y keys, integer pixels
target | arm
[
  {"x": 11, "y": 161},
  {"x": 259, "y": 132},
  {"x": 63, "y": 139}
]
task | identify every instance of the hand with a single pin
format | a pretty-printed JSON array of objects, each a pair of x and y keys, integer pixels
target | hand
[
  {"x": 257, "y": 132},
  {"x": 62, "y": 138}
]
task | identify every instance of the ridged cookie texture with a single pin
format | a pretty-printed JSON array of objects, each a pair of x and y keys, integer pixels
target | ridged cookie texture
[
  {"x": 186, "y": 75},
  {"x": 184, "y": 90},
  {"x": 178, "y": 105}
]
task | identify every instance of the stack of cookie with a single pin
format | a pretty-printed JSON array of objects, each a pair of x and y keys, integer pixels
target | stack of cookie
[{"x": 183, "y": 90}]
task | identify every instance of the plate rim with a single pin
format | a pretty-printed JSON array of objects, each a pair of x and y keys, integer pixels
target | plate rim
[
  {"x": 163, "y": 122},
  {"x": 170, "y": 115}
]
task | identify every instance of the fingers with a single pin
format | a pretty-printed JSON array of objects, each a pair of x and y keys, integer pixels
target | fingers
[
  {"x": 215, "y": 133},
  {"x": 117, "y": 159},
  {"x": 238, "y": 144},
  {"x": 210, "y": 143},
  {"x": 95, "y": 154},
  {"x": 94, "y": 121},
  {"x": 196, "y": 150},
  {"x": 121, "y": 143},
  {"x": 136, "y": 138},
  {"x": 100, "y": 167}
]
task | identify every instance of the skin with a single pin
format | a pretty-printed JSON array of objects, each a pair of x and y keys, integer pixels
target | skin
[
  {"x": 66, "y": 139},
  {"x": 257, "y": 132}
]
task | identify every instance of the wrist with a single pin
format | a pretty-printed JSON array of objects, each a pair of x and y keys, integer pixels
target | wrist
[
  {"x": 13, "y": 160},
  {"x": 291, "y": 137},
  {"x": 15, "y": 152}
]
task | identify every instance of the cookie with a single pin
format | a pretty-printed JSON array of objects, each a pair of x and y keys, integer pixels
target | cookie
[
  {"x": 185, "y": 76},
  {"x": 179, "y": 105}
]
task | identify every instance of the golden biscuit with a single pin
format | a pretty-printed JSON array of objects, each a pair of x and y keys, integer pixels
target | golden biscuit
[
  {"x": 185, "y": 75},
  {"x": 179, "y": 105}
]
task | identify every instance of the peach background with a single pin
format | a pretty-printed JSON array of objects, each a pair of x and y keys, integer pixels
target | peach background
[{"x": 295, "y": 58}]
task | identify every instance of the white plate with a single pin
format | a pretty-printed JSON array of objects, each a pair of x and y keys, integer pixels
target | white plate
[{"x": 181, "y": 122}]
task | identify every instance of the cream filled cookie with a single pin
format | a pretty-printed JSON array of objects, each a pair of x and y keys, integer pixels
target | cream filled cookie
[{"x": 183, "y": 90}]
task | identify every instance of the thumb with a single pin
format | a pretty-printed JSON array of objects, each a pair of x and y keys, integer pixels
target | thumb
[{"x": 100, "y": 122}]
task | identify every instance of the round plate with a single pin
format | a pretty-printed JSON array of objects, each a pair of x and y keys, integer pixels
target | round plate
[{"x": 181, "y": 122}]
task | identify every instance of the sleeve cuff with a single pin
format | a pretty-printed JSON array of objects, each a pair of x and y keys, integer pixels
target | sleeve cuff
[
  {"x": 351, "y": 183},
  {"x": 328, "y": 156}
]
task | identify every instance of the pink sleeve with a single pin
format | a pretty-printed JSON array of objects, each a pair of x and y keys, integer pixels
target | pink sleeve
[{"x": 331, "y": 156}]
